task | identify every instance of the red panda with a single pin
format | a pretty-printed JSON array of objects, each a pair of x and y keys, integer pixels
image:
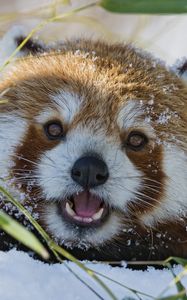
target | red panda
[{"x": 93, "y": 142}]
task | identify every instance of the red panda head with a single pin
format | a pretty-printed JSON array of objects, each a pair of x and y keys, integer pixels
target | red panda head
[{"x": 94, "y": 135}]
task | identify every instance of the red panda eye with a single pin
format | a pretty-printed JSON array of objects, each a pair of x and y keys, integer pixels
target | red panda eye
[
  {"x": 136, "y": 140},
  {"x": 54, "y": 130}
]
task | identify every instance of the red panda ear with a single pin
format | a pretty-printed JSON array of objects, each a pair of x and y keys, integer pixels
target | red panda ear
[
  {"x": 13, "y": 38},
  {"x": 180, "y": 68},
  {"x": 183, "y": 69},
  {"x": 32, "y": 46}
]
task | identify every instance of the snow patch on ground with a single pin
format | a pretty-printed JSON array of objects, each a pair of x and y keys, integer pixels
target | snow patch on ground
[{"x": 28, "y": 279}]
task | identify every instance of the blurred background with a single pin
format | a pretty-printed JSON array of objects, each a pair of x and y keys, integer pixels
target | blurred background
[{"x": 165, "y": 35}]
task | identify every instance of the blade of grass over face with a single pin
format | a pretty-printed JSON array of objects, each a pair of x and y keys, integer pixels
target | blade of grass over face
[
  {"x": 20, "y": 233},
  {"x": 145, "y": 6}
]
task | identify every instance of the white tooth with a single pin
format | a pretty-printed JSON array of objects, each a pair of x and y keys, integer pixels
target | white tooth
[
  {"x": 98, "y": 214},
  {"x": 77, "y": 218},
  {"x": 83, "y": 219},
  {"x": 87, "y": 220},
  {"x": 69, "y": 210},
  {"x": 70, "y": 204}
]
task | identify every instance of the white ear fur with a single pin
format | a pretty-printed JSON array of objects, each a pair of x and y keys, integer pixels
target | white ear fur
[{"x": 8, "y": 43}]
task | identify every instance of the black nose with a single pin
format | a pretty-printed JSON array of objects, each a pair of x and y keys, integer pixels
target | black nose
[{"x": 89, "y": 171}]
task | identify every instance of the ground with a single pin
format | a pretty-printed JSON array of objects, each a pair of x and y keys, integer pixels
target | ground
[{"x": 30, "y": 279}]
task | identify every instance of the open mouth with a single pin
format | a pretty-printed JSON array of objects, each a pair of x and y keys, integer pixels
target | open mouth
[{"x": 84, "y": 209}]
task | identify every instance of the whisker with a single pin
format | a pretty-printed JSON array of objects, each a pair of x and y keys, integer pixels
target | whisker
[
  {"x": 24, "y": 175},
  {"x": 145, "y": 202},
  {"x": 139, "y": 195},
  {"x": 49, "y": 158},
  {"x": 28, "y": 160},
  {"x": 152, "y": 188},
  {"x": 25, "y": 159},
  {"x": 146, "y": 196},
  {"x": 153, "y": 180},
  {"x": 126, "y": 177}
]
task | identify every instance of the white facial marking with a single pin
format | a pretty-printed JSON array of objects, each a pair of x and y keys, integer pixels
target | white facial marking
[
  {"x": 46, "y": 115},
  {"x": 54, "y": 173},
  {"x": 12, "y": 130},
  {"x": 67, "y": 103},
  {"x": 71, "y": 237},
  {"x": 78, "y": 143},
  {"x": 174, "y": 203},
  {"x": 132, "y": 116},
  {"x": 130, "y": 113}
]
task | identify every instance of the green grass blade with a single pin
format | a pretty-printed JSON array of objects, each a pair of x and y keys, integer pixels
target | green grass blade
[
  {"x": 145, "y": 6},
  {"x": 179, "y": 296},
  {"x": 181, "y": 261},
  {"x": 40, "y": 26},
  {"x": 17, "y": 231},
  {"x": 176, "y": 281},
  {"x": 178, "y": 284},
  {"x": 134, "y": 291}
]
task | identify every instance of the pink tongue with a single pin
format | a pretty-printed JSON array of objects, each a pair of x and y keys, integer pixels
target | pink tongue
[{"x": 86, "y": 204}]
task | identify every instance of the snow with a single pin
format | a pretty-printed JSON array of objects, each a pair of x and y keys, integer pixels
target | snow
[{"x": 29, "y": 279}]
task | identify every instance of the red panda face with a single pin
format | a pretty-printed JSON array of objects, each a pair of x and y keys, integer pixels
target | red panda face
[{"x": 90, "y": 136}]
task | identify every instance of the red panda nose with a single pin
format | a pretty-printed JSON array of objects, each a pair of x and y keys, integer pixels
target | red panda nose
[{"x": 89, "y": 172}]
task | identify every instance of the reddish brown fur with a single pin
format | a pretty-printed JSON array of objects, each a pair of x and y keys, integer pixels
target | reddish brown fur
[
  {"x": 113, "y": 78},
  {"x": 116, "y": 75}
]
